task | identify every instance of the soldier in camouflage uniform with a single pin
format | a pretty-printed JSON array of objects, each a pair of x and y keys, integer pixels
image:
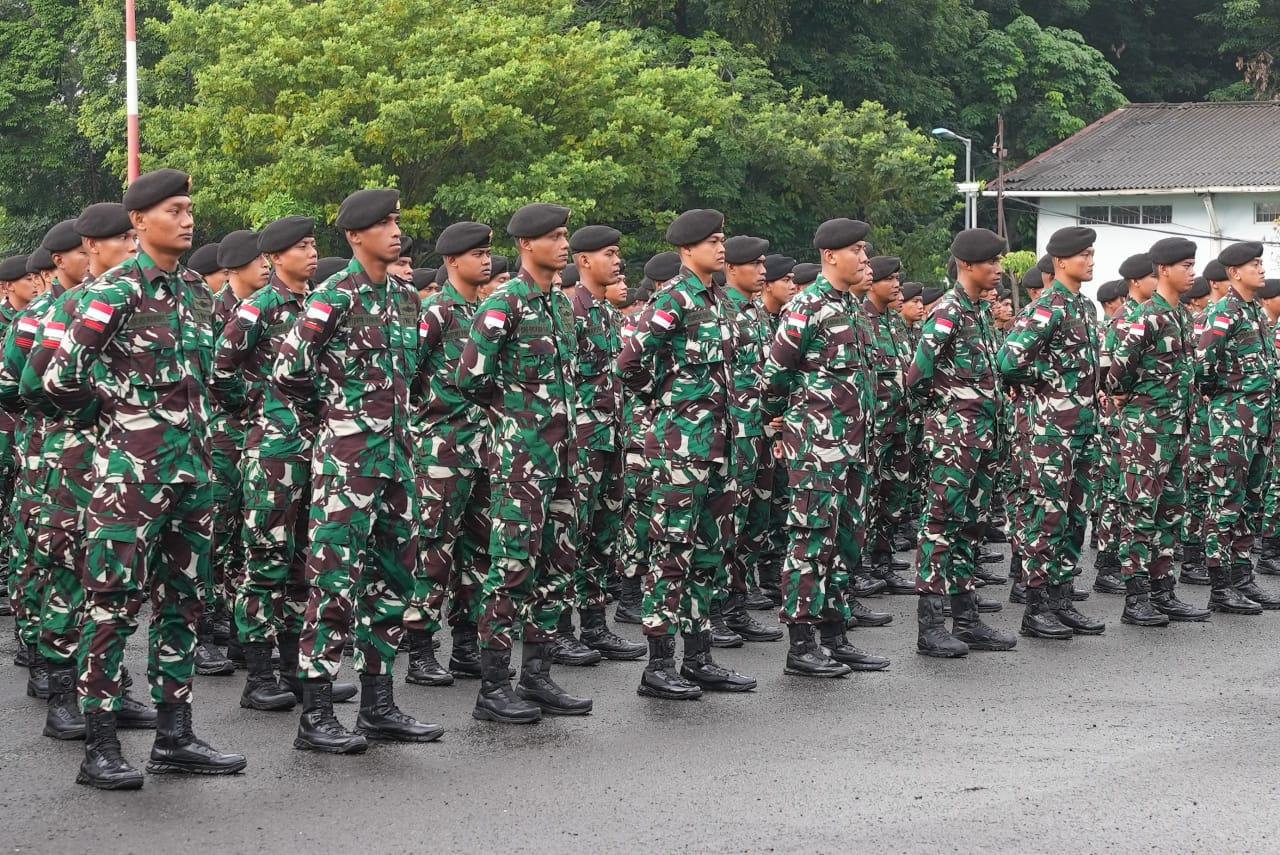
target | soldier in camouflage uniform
[
  {"x": 350, "y": 357},
  {"x": 954, "y": 377},
  {"x": 18, "y": 288},
  {"x": 913, "y": 316},
  {"x": 1052, "y": 358},
  {"x": 1199, "y": 449},
  {"x": 678, "y": 361},
  {"x": 1151, "y": 380},
  {"x": 1269, "y": 559},
  {"x": 1235, "y": 371},
  {"x": 148, "y": 323}
]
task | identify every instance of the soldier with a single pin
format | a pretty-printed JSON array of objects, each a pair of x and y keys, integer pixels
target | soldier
[
  {"x": 424, "y": 281},
  {"x": 1269, "y": 559},
  {"x": 678, "y": 361},
  {"x": 18, "y": 288},
  {"x": 818, "y": 380},
  {"x": 1235, "y": 371},
  {"x": 402, "y": 267},
  {"x": 205, "y": 262},
  {"x": 329, "y": 266},
  {"x": 349, "y": 358},
  {"x": 1151, "y": 382},
  {"x": 149, "y": 521},
  {"x": 518, "y": 365},
  {"x": 954, "y": 376},
  {"x": 1112, "y": 297}
]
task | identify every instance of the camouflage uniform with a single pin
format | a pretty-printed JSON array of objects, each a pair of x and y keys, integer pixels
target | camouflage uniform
[
  {"x": 149, "y": 521},
  {"x": 349, "y": 357},
  {"x": 773, "y": 551},
  {"x": 228, "y": 436},
  {"x": 1271, "y": 500},
  {"x": 1199, "y": 456},
  {"x": 890, "y": 455},
  {"x": 8, "y": 475},
  {"x": 637, "y": 480},
  {"x": 1110, "y": 481}
]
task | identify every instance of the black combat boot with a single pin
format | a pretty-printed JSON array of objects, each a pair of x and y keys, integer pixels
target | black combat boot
[
  {"x": 1165, "y": 601},
  {"x": 1138, "y": 610},
  {"x": 860, "y": 615},
  {"x": 1018, "y": 591},
  {"x": 805, "y": 658},
  {"x": 178, "y": 749},
  {"x": 235, "y": 652},
  {"x": 1068, "y": 615},
  {"x": 987, "y": 556},
  {"x": 464, "y": 657},
  {"x": 882, "y": 569},
  {"x": 210, "y": 662},
  {"x": 261, "y": 689},
  {"x": 22, "y": 654},
  {"x": 536, "y": 685},
  {"x": 380, "y": 718},
  {"x": 989, "y": 577},
  {"x": 318, "y": 728},
  {"x": 221, "y": 623},
  {"x": 932, "y": 638},
  {"x": 495, "y": 700},
  {"x": 1242, "y": 580},
  {"x": 771, "y": 582},
  {"x": 967, "y": 627},
  {"x": 424, "y": 668},
  {"x": 1193, "y": 570},
  {"x": 104, "y": 767},
  {"x": 339, "y": 690},
  {"x": 133, "y": 714},
  {"x": 995, "y": 534},
  {"x": 756, "y": 601},
  {"x": 63, "y": 719},
  {"x": 862, "y": 583},
  {"x": 566, "y": 649},
  {"x": 661, "y": 678},
  {"x": 1108, "y": 580},
  {"x": 700, "y": 667},
  {"x": 721, "y": 635},
  {"x": 738, "y": 619},
  {"x": 836, "y": 643},
  {"x": 1223, "y": 597},
  {"x": 1269, "y": 559},
  {"x": 904, "y": 538},
  {"x": 597, "y": 635},
  {"x": 985, "y": 605},
  {"x": 37, "y": 674},
  {"x": 1040, "y": 619},
  {"x": 629, "y": 600}
]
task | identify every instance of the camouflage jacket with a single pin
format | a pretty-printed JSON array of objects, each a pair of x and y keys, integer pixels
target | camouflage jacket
[
  {"x": 70, "y": 437},
  {"x": 1052, "y": 358},
  {"x": 350, "y": 356},
  {"x": 889, "y": 364},
  {"x": 152, "y": 331},
  {"x": 450, "y": 428},
  {"x": 1112, "y": 331},
  {"x": 28, "y": 437},
  {"x": 635, "y": 412},
  {"x": 954, "y": 375},
  {"x": 751, "y": 347},
  {"x": 678, "y": 360},
  {"x": 518, "y": 363},
  {"x": 599, "y": 406},
  {"x": 818, "y": 377},
  {"x": 1152, "y": 364},
  {"x": 1236, "y": 367},
  {"x": 242, "y": 363}
]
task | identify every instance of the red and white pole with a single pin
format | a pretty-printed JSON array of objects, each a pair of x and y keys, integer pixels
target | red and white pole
[{"x": 131, "y": 87}]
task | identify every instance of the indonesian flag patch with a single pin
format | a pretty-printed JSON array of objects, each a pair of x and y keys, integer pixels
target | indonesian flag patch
[
  {"x": 1043, "y": 316},
  {"x": 98, "y": 315},
  {"x": 248, "y": 314},
  {"x": 318, "y": 315},
  {"x": 1221, "y": 325},
  {"x": 53, "y": 333},
  {"x": 796, "y": 322},
  {"x": 1137, "y": 328},
  {"x": 494, "y": 319},
  {"x": 944, "y": 325},
  {"x": 663, "y": 319},
  {"x": 26, "y": 336},
  {"x": 423, "y": 328}
]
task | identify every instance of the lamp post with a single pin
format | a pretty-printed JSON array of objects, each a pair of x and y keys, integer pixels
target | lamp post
[{"x": 970, "y": 206}]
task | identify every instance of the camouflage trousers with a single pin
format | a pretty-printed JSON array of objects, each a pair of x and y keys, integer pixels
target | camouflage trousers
[
  {"x": 143, "y": 539},
  {"x": 453, "y": 547},
  {"x": 1237, "y": 474},
  {"x": 272, "y": 599},
  {"x": 637, "y": 512},
  {"x": 1057, "y": 473},
  {"x": 826, "y": 533},
  {"x": 58, "y": 553},
  {"x": 227, "y": 566},
  {"x": 1108, "y": 481},
  {"x": 1198, "y": 473},
  {"x": 753, "y": 473},
  {"x": 599, "y": 524},
  {"x": 890, "y": 489},
  {"x": 8, "y": 472},
  {"x": 691, "y": 522},
  {"x": 25, "y": 582},
  {"x": 954, "y": 520},
  {"x": 1271, "y": 499},
  {"x": 1150, "y": 503},
  {"x": 773, "y": 550},
  {"x": 531, "y": 560},
  {"x": 360, "y": 571}
]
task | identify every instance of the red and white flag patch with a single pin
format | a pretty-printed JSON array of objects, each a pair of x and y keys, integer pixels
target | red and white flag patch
[
  {"x": 317, "y": 315},
  {"x": 1221, "y": 325},
  {"x": 663, "y": 319},
  {"x": 944, "y": 325},
  {"x": 494, "y": 319},
  {"x": 27, "y": 328},
  {"x": 53, "y": 334},
  {"x": 98, "y": 315},
  {"x": 248, "y": 313},
  {"x": 1043, "y": 316}
]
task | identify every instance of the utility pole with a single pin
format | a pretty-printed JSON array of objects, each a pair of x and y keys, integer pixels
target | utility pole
[{"x": 131, "y": 86}]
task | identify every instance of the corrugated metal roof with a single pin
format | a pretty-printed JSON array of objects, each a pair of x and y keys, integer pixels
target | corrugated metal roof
[{"x": 1162, "y": 147}]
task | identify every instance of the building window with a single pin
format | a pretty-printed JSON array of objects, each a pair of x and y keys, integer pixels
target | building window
[
  {"x": 1126, "y": 215},
  {"x": 1266, "y": 212}
]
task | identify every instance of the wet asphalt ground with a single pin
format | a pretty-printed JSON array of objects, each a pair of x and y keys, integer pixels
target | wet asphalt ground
[{"x": 1140, "y": 740}]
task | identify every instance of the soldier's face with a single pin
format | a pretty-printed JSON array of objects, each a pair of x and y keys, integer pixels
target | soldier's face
[
  {"x": 604, "y": 266},
  {"x": 401, "y": 268},
  {"x": 298, "y": 262},
  {"x": 381, "y": 240},
  {"x": 1250, "y": 277},
  {"x": 255, "y": 274},
  {"x": 781, "y": 290},
  {"x": 217, "y": 280},
  {"x": 111, "y": 251},
  {"x": 887, "y": 290},
  {"x": 1002, "y": 311},
  {"x": 470, "y": 268},
  {"x": 1033, "y": 294},
  {"x": 1180, "y": 276},
  {"x": 912, "y": 310},
  {"x": 706, "y": 257},
  {"x": 168, "y": 226},
  {"x": 73, "y": 265},
  {"x": 1078, "y": 267},
  {"x": 850, "y": 264},
  {"x": 1142, "y": 289},
  {"x": 747, "y": 278},
  {"x": 616, "y": 292},
  {"x": 549, "y": 252},
  {"x": 23, "y": 291},
  {"x": 986, "y": 275}
]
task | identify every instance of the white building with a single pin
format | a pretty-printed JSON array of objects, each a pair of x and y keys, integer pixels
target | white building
[{"x": 1209, "y": 172}]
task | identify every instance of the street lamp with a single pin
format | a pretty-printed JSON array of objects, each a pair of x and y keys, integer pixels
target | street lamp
[{"x": 970, "y": 205}]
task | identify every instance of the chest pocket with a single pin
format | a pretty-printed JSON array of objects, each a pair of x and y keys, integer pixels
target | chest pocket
[
  {"x": 704, "y": 337},
  {"x": 155, "y": 349},
  {"x": 535, "y": 352},
  {"x": 1077, "y": 342},
  {"x": 1252, "y": 354},
  {"x": 840, "y": 343}
]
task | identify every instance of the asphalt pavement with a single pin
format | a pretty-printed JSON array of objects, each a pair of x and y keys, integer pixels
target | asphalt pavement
[{"x": 1134, "y": 741}]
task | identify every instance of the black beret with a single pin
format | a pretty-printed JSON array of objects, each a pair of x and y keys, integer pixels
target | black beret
[
  {"x": 839, "y": 233},
  {"x": 328, "y": 266},
  {"x": 497, "y": 266},
  {"x": 40, "y": 259},
  {"x": 1003, "y": 294},
  {"x": 442, "y": 275},
  {"x": 1070, "y": 241},
  {"x": 777, "y": 266},
  {"x": 422, "y": 277},
  {"x": 663, "y": 266},
  {"x": 973, "y": 245},
  {"x": 594, "y": 238},
  {"x": 806, "y": 273},
  {"x": 1171, "y": 250},
  {"x": 13, "y": 268},
  {"x": 694, "y": 227},
  {"x": 205, "y": 260},
  {"x": 365, "y": 208},
  {"x": 154, "y": 187},
  {"x": 238, "y": 249},
  {"x": 62, "y": 238},
  {"x": 1116, "y": 289},
  {"x": 1214, "y": 271},
  {"x": 536, "y": 220},
  {"x": 569, "y": 276},
  {"x": 953, "y": 267},
  {"x": 1045, "y": 265},
  {"x": 1031, "y": 280},
  {"x": 884, "y": 266},
  {"x": 1199, "y": 288},
  {"x": 1136, "y": 267},
  {"x": 285, "y": 232},
  {"x": 406, "y": 246},
  {"x": 639, "y": 294},
  {"x": 1240, "y": 253},
  {"x": 103, "y": 220},
  {"x": 463, "y": 237},
  {"x": 911, "y": 290},
  {"x": 932, "y": 294},
  {"x": 744, "y": 249},
  {"x": 1270, "y": 290}
]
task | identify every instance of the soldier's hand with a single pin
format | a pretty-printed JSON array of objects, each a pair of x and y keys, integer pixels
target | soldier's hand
[
  {"x": 776, "y": 424},
  {"x": 1119, "y": 400}
]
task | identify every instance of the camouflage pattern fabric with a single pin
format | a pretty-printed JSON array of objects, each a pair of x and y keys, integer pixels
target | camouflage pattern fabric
[
  {"x": 272, "y": 599},
  {"x": 890, "y": 460},
  {"x": 1109, "y": 466},
  {"x": 227, "y": 568}
]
